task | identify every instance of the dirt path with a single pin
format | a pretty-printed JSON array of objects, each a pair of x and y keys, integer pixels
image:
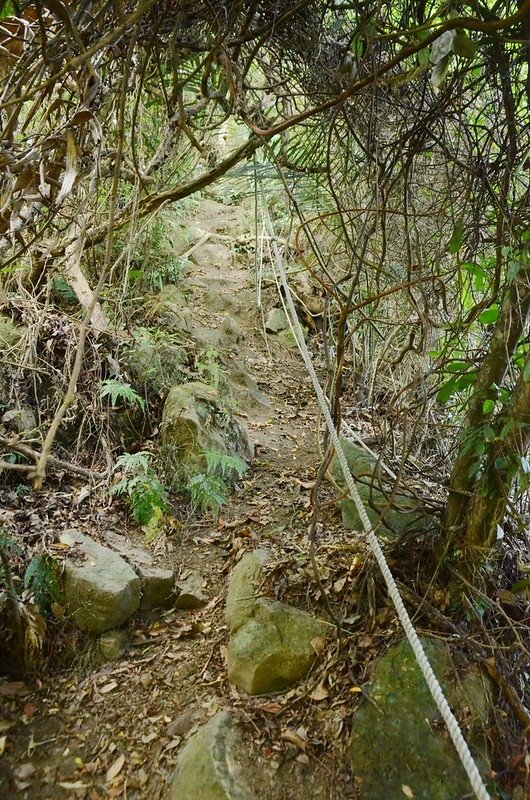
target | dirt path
[{"x": 115, "y": 730}]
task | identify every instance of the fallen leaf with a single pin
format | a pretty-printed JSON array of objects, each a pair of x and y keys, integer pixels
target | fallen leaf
[
  {"x": 29, "y": 710},
  {"x": 5, "y": 724},
  {"x": 149, "y": 737},
  {"x": 108, "y": 687},
  {"x": 293, "y": 738},
  {"x": 24, "y": 771},
  {"x": 320, "y": 693},
  {"x": 407, "y": 791},
  {"x": 318, "y": 644},
  {"x": 75, "y": 785},
  {"x": 116, "y": 768},
  {"x": 3, "y": 740},
  {"x": 15, "y": 689}
]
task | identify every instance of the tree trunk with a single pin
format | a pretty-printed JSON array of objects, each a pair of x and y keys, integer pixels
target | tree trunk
[{"x": 477, "y": 500}]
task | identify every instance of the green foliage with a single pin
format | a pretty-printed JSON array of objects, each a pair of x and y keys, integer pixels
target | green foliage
[
  {"x": 209, "y": 367},
  {"x": 154, "y": 261},
  {"x": 157, "y": 359},
  {"x": 210, "y": 490},
  {"x": 7, "y": 9},
  {"x": 121, "y": 393},
  {"x": 148, "y": 497},
  {"x": 42, "y": 578}
]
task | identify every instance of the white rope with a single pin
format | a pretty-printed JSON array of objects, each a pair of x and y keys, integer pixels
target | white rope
[{"x": 434, "y": 686}]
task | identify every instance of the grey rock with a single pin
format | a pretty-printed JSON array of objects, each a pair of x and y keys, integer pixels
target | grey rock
[
  {"x": 101, "y": 591},
  {"x": 244, "y": 588},
  {"x": 274, "y": 649},
  {"x": 113, "y": 644},
  {"x": 276, "y": 320},
  {"x": 399, "y": 513},
  {"x": 212, "y": 765},
  {"x": 158, "y": 587},
  {"x": 190, "y": 592},
  {"x": 157, "y": 583},
  {"x": 397, "y": 739}
]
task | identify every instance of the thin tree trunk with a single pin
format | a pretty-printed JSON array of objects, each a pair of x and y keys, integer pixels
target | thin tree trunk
[{"x": 463, "y": 484}]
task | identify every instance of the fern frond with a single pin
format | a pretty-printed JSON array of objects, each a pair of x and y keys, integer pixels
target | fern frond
[{"x": 121, "y": 392}]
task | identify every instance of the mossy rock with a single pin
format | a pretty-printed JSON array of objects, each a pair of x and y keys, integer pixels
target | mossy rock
[
  {"x": 397, "y": 739},
  {"x": 394, "y": 514},
  {"x": 274, "y": 649},
  {"x": 194, "y": 423}
]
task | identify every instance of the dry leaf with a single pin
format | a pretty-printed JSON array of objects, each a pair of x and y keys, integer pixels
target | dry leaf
[
  {"x": 3, "y": 741},
  {"x": 318, "y": 644},
  {"x": 320, "y": 693},
  {"x": 149, "y": 737},
  {"x": 407, "y": 791},
  {"x": 75, "y": 785},
  {"x": 116, "y": 768},
  {"x": 293, "y": 738},
  {"x": 108, "y": 687}
]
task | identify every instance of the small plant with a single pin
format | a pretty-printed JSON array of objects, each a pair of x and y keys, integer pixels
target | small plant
[
  {"x": 42, "y": 579},
  {"x": 209, "y": 490},
  {"x": 209, "y": 368},
  {"x": 121, "y": 393},
  {"x": 148, "y": 497}
]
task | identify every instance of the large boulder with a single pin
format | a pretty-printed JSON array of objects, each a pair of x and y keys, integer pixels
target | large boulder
[
  {"x": 395, "y": 514},
  {"x": 212, "y": 765},
  {"x": 397, "y": 740},
  {"x": 101, "y": 591},
  {"x": 194, "y": 423},
  {"x": 272, "y": 645},
  {"x": 274, "y": 649}
]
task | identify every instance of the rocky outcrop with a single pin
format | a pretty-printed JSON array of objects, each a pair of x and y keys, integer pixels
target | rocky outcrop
[
  {"x": 272, "y": 644},
  {"x": 397, "y": 740},
  {"x": 394, "y": 513},
  {"x": 212, "y": 766},
  {"x": 193, "y": 423},
  {"x": 101, "y": 591},
  {"x": 157, "y": 583}
]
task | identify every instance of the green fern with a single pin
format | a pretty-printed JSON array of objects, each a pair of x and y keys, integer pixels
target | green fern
[
  {"x": 121, "y": 393},
  {"x": 42, "y": 579},
  {"x": 210, "y": 490},
  {"x": 226, "y": 467},
  {"x": 148, "y": 497},
  {"x": 210, "y": 369}
]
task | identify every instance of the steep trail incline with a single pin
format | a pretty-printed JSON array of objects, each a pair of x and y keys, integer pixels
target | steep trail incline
[{"x": 114, "y": 730}]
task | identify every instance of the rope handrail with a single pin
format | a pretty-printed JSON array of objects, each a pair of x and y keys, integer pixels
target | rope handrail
[{"x": 435, "y": 688}]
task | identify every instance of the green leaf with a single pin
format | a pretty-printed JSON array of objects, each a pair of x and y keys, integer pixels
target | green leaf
[
  {"x": 446, "y": 391},
  {"x": 526, "y": 371},
  {"x": 488, "y": 406},
  {"x": 457, "y": 366},
  {"x": 463, "y": 46},
  {"x": 490, "y": 315},
  {"x": 456, "y": 239},
  {"x": 519, "y": 586}
]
